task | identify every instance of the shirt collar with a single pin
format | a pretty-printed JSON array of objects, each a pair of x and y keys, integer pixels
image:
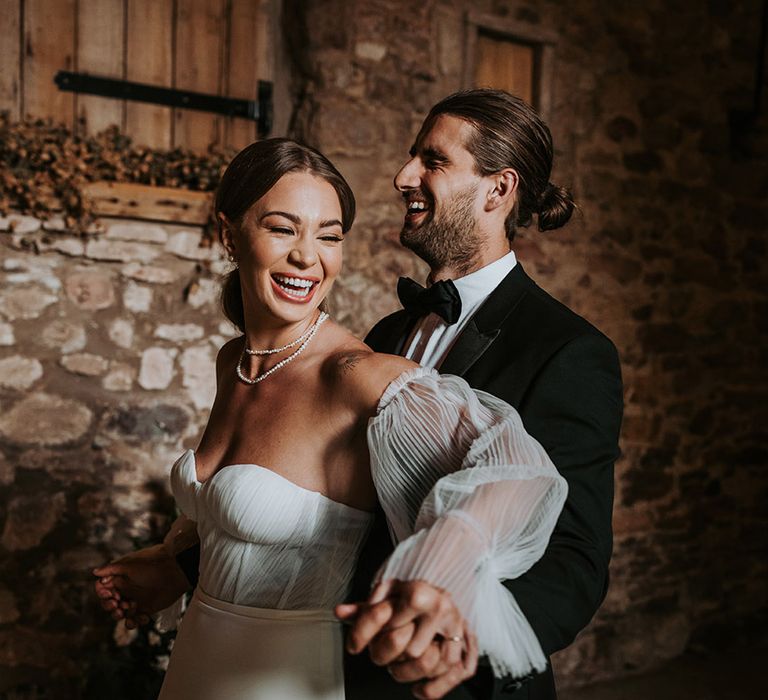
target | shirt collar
[{"x": 475, "y": 287}]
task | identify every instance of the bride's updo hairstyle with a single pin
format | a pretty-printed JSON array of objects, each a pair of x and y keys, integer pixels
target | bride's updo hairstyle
[
  {"x": 250, "y": 175},
  {"x": 507, "y": 133}
]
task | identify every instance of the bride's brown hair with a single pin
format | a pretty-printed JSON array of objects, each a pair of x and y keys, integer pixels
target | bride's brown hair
[{"x": 250, "y": 175}]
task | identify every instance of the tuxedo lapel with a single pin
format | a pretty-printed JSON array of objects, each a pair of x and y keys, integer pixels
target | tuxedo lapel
[
  {"x": 469, "y": 346},
  {"x": 389, "y": 335},
  {"x": 484, "y": 327}
]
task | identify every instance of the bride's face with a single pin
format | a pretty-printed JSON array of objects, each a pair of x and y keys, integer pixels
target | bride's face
[{"x": 289, "y": 247}]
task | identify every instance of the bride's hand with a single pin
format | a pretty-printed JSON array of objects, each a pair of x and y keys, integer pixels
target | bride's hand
[{"x": 139, "y": 584}]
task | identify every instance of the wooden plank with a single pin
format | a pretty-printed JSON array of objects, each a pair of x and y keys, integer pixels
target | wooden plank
[
  {"x": 244, "y": 63},
  {"x": 269, "y": 25},
  {"x": 149, "y": 59},
  {"x": 200, "y": 30},
  {"x": 100, "y": 43},
  {"x": 132, "y": 200},
  {"x": 524, "y": 32},
  {"x": 49, "y": 46},
  {"x": 505, "y": 64},
  {"x": 10, "y": 58}
]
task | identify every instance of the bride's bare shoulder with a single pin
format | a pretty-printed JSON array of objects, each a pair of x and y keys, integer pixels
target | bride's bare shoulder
[{"x": 362, "y": 375}]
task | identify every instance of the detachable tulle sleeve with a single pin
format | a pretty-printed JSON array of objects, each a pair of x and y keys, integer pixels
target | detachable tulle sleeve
[{"x": 470, "y": 498}]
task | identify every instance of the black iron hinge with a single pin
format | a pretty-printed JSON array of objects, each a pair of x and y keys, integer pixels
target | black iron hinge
[{"x": 259, "y": 110}]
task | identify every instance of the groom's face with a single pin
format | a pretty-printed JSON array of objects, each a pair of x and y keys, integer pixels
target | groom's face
[{"x": 441, "y": 191}]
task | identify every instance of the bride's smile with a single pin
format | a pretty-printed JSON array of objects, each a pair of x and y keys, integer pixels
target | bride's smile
[{"x": 288, "y": 248}]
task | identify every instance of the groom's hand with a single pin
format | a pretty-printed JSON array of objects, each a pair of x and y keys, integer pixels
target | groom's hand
[
  {"x": 434, "y": 672},
  {"x": 400, "y": 624}
]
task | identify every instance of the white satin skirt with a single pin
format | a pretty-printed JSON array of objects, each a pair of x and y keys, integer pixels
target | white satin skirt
[{"x": 234, "y": 652}]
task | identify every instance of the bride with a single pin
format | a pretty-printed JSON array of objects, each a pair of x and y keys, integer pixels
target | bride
[{"x": 309, "y": 430}]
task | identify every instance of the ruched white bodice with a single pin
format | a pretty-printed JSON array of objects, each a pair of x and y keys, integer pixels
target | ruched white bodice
[
  {"x": 470, "y": 498},
  {"x": 267, "y": 542}
]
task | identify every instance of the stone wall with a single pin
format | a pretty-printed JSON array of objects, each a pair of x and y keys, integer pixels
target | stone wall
[
  {"x": 106, "y": 370},
  {"x": 107, "y": 341}
]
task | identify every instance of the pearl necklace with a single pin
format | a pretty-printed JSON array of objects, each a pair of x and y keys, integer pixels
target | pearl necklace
[
  {"x": 307, "y": 338},
  {"x": 274, "y": 351}
]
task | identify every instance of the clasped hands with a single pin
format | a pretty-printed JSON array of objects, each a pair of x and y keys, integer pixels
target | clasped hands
[
  {"x": 411, "y": 627},
  {"x": 415, "y": 630}
]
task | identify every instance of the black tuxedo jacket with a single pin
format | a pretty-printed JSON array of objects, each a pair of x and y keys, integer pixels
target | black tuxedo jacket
[{"x": 563, "y": 377}]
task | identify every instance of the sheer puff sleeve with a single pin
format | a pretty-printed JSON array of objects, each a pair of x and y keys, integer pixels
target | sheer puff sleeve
[{"x": 470, "y": 498}]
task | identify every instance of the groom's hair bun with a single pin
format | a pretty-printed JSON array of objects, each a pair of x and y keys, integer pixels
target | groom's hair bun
[
  {"x": 555, "y": 207},
  {"x": 508, "y": 133}
]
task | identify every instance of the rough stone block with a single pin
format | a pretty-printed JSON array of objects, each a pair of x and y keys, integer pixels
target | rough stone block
[
  {"x": 148, "y": 273},
  {"x": 20, "y": 224},
  {"x": 55, "y": 224},
  {"x": 119, "y": 378},
  {"x": 120, "y": 251},
  {"x": 86, "y": 364},
  {"x": 179, "y": 332},
  {"x": 199, "y": 375},
  {"x": 137, "y": 298},
  {"x": 156, "y": 370},
  {"x": 90, "y": 289},
  {"x": 186, "y": 245},
  {"x": 203, "y": 291},
  {"x": 45, "y": 419},
  {"x": 36, "y": 276},
  {"x": 139, "y": 232},
  {"x": 370, "y": 50},
  {"x": 164, "y": 422},
  {"x": 121, "y": 333},
  {"x": 64, "y": 336},
  {"x": 71, "y": 247},
  {"x": 17, "y": 372},
  {"x": 25, "y": 302},
  {"x": 6, "y": 334}
]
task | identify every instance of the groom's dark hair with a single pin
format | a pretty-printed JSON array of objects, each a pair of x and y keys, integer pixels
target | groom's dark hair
[{"x": 508, "y": 133}]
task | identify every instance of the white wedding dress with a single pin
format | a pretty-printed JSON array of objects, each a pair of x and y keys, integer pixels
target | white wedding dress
[{"x": 469, "y": 496}]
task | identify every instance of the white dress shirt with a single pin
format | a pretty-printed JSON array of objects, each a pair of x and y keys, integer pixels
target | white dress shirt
[{"x": 432, "y": 338}]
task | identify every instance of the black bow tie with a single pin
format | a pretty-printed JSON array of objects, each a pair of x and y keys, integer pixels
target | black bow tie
[{"x": 441, "y": 298}]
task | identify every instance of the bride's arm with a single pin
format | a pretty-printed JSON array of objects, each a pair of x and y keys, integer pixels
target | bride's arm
[{"x": 495, "y": 497}]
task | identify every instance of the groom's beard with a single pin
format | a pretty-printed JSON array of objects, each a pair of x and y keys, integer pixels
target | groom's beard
[{"x": 448, "y": 240}]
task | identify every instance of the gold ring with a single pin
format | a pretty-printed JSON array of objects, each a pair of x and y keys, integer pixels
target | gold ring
[{"x": 455, "y": 638}]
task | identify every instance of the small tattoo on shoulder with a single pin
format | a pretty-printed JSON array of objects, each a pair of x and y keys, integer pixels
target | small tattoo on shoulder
[{"x": 349, "y": 361}]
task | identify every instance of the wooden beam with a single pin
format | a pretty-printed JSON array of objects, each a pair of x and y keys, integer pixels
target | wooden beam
[
  {"x": 10, "y": 58},
  {"x": 49, "y": 46},
  {"x": 199, "y": 47},
  {"x": 522, "y": 31},
  {"x": 100, "y": 44},
  {"x": 243, "y": 66},
  {"x": 149, "y": 59},
  {"x": 130, "y": 200}
]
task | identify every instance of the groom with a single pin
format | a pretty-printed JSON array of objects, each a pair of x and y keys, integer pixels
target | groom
[{"x": 478, "y": 169}]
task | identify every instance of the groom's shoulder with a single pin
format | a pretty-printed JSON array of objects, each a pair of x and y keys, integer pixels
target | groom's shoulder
[{"x": 544, "y": 314}]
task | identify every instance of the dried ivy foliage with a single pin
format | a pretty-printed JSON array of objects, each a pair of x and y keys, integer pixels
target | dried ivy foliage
[{"x": 44, "y": 166}]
